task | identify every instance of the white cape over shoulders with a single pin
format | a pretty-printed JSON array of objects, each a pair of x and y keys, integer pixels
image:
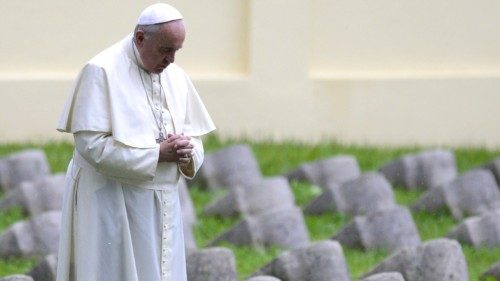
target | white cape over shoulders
[{"x": 109, "y": 97}]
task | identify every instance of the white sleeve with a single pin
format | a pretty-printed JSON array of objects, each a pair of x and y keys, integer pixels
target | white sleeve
[
  {"x": 116, "y": 159},
  {"x": 189, "y": 170}
]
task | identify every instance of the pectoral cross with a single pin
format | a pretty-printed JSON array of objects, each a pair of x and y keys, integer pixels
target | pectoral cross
[{"x": 160, "y": 138}]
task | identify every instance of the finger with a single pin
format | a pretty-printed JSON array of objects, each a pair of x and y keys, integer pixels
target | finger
[
  {"x": 184, "y": 160},
  {"x": 173, "y": 138},
  {"x": 166, "y": 147},
  {"x": 181, "y": 143},
  {"x": 184, "y": 152}
]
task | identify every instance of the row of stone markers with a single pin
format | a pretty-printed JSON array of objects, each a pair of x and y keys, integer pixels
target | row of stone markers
[
  {"x": 440, "y": 259},
  {"x": 270, "y": 217},
  {"x": 27, "y": 183},
  {"x": 26, "y": 180},
  {"x": 378, "y": 222}
]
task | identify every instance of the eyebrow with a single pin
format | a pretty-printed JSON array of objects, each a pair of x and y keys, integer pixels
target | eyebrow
[{"x": 165, "y": 48}]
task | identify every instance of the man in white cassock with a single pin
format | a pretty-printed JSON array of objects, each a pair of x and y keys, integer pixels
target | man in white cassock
[{"x": 137, "y": 121}]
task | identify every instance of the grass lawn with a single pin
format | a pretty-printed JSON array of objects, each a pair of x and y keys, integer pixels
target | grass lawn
[{"x": 278, "y": 158}]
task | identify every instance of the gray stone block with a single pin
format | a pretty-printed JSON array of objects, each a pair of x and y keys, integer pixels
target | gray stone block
[
  {"x": 284, "y": 227},
  {"x": 337, "y": 169},
  {"x": 431, "y": 201},
  {"x": 472, "y": 193},
  {"x": 402, "y": 172},
  {"x": 390, "y": 229},
  {"x": 321, "y": 261},
  {"x": 32, "y": 238},
  {"x": 26, "y": 165},
  {"x": 46, "y": 270},
  {"x": 229, "y": 167},
  {"x": 270, "y": 194},
  {"x": 494, "y": 167},
  {"x": 436, "y": 260},
  {"x": 326, "y": 202},
  {"x": 212, "y": 264},
  {"x": 479, "y": 231},
  {"x": 427, "y": 170},
  {"x": 368, "y": 193},
  {"x": 493, "y": 273},
  {"x": 38, "y": 196},
  {"x": 436, "y": 167},
  {"x": 263, "y": 278},
  {"x": 386, "y": 276},
  {"x": 17, "y": 277}
]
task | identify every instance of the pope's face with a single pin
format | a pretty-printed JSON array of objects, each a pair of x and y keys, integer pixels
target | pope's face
[{"x": 158, "y": 50}]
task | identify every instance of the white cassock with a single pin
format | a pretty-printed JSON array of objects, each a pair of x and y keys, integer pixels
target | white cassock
[{"x": 121, "y": 214}]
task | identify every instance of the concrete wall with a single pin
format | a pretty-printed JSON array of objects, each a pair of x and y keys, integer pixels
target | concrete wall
[{"x": 385, "y": 72}]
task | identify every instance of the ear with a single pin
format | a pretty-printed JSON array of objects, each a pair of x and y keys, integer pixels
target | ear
[{"x": 139, "y": 38}]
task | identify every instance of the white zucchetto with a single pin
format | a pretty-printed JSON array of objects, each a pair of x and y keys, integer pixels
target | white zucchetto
[{"x": 158, "y": 13}]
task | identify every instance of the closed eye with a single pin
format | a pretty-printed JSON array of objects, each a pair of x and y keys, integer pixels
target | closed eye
[{"x": 168, "y": 50}]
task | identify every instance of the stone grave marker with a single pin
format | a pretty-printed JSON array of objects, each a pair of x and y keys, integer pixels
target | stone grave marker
[
  {"x": 46, "y": 270},
  {"x": 38, "y": 196},
  {"x": 402, "y": 171},
  {"x": 27, "y": 165},
  {"x": 284, "y": 227},
  {"x": 337, "y": 169},
  {"x": 494, "y": 167},
  {"x": 269, "y": 194},
  {"x": 320, "y": 261},
  {"x": 211, "y": 264},
  {"x": 36, "y": 237},
  {"x": 229, "y": 167},
  {"x": 385, "y": 276},
  {"x": 368, "y": 193},
  {"x": 479, "y": 231},
  {"x": 436, "y": 260},
  {"x": 389, "y": 229},
  {"x": 427, "y": 170},
  {"x": 493, "y": 273},
  {"x": 472, "y": 193}
]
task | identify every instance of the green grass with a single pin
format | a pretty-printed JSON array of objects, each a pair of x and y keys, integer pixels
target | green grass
[
  {"x": 16, "y": 266},
  {"x": 279, "y": 158},
  {"x": 9, "y": 217}
]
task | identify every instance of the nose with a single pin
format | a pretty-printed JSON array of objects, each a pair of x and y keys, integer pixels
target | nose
[{"x": 169, "y": 58}]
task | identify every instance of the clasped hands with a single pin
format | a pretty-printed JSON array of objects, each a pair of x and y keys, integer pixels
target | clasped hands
[{"x": 176, "y": 148}]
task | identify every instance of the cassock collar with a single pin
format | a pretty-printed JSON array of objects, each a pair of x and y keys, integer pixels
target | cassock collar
[{"x": 136, "y": 54}]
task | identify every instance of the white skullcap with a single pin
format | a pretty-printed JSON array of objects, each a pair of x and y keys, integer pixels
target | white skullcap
[{"x": 158, "y": 13}]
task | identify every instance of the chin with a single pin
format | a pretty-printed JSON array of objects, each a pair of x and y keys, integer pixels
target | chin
[{"x": 161, "y": 68}]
